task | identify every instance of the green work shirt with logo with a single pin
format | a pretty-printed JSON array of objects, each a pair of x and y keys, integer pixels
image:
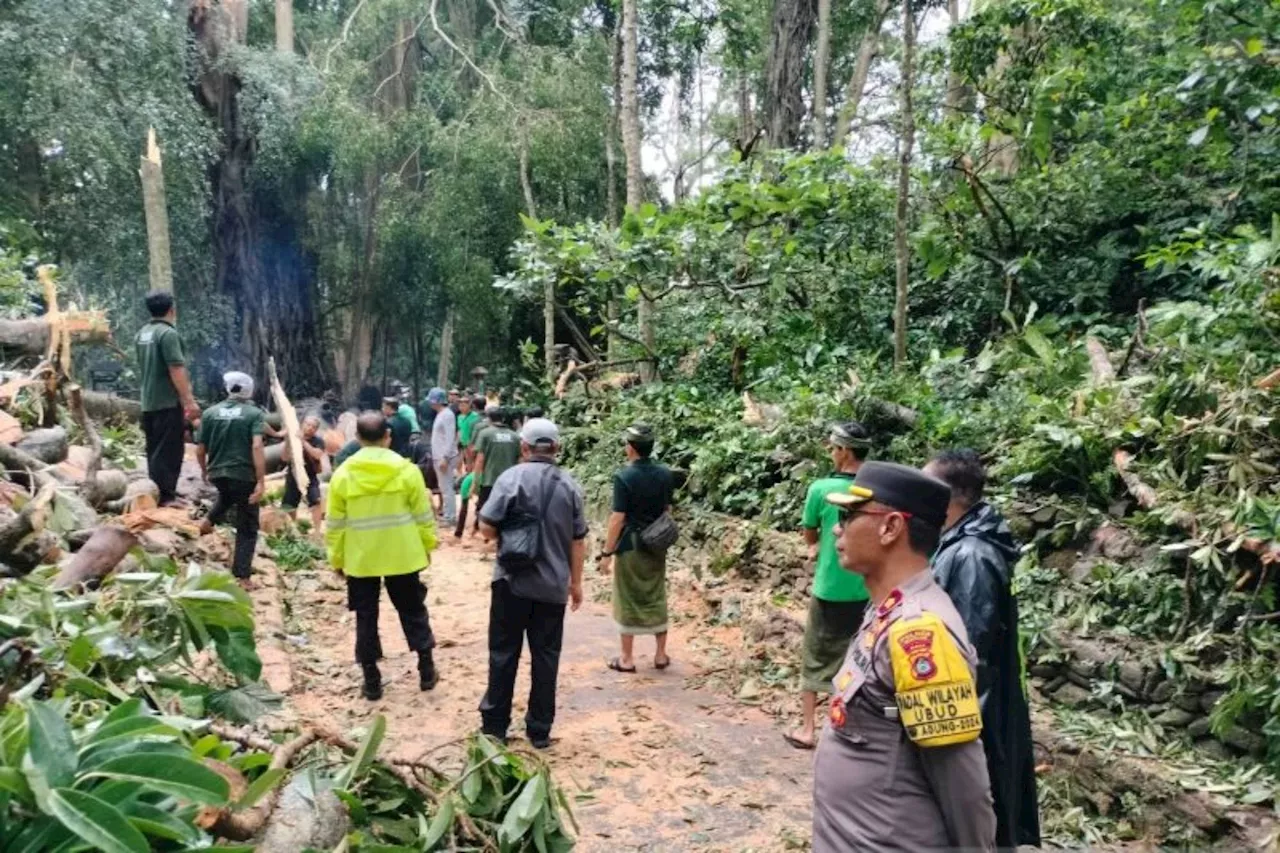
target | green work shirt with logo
[
  {"x": 227, "y": 431},
  {"x": 501, "y": 449},
  {"x": 159, "y": 348},
  {"x": 830, "y": 582}
]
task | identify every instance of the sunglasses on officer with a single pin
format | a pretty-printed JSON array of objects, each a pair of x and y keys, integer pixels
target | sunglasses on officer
[{"x": 847, "y": 513}]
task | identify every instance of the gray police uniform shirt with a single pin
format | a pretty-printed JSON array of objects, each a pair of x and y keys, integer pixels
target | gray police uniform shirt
[
  {"x": 564, "y": 521},
  {"x": 875, "y": 789}
]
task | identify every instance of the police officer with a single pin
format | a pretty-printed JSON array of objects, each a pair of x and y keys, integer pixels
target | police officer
[{"x": 900, "y": 765}]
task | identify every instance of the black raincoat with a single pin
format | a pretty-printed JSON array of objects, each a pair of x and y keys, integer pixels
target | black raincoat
[{"x": 974, "y": 564}]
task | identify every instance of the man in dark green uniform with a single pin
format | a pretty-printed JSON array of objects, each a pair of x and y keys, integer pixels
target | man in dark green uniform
[
  {"x": 498, "y": 449},
  {"x": 400, "y": 427},
  {"x": 165, "y": 389},
  {"x": 900, "y": 765},
  {"x": 230, "y": 454}
]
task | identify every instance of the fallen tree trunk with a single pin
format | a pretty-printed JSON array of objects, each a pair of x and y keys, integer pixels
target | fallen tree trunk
[
  {"x": 18, "y": 462},
  {"x": 32, "y": 335},
  {"x": 105, "y": 407},
  {"x": 97, "y": 558}
]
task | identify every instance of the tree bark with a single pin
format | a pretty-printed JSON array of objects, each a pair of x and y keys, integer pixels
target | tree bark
[
  {"x": 867, "y": 51},
  {"x": 157, "y": 215},
  {"x": 446, "y": 350},
  {"x": 905, "y": 146},
  {"x": 549, "y": 286},
  {"x": 821, "y": 65},
  {"x": 284, "y": 26},
  {"x": 613, "y": 345},
  {"x": 97, "y": 558},
  {"x": 260, "y": 268},
  {"x": 956, "y": 91},
  {"x": 631, "y": 146},
  {"x": 789, "y": 36}
]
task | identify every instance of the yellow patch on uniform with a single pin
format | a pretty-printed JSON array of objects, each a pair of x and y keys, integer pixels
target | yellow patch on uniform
[
  {"x": 844, "y": 680},
  {"x": 861, "y": 491},
  {"x": 937, "y": 699}
]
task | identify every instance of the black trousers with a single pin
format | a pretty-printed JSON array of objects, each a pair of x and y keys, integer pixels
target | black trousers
[
  {"x": 234, "y": 495},
  {"x": 481, "y": 499},
  {"x": 511, "y": 619},
  {"x": 163, "y": 429},
  {"x": 409, "y": 596},
  {"x": 293, "y": 498}
]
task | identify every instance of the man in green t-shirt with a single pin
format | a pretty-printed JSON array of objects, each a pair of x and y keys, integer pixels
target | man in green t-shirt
[
  {"x": 497, "y": 449},
  {"x": 165, "y": 390},
  {"x": 229, "y": 450},
  {"x": 839, "y": 598}
]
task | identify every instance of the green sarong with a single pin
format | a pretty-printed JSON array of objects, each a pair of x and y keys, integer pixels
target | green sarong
[
  {"x": 640, "y": 590},
  {"x": 830, "y": 627}
]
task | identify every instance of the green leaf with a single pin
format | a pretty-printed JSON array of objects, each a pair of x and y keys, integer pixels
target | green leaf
[
  {"x": 170, "y": 774},
  {"x": 131, "y": 727},
  {"x": 158, "y": 823},
  {"x": 260, "y": 787},
  {"x": 520, "y": 816},
  {"x": 237, "y": 652},
  {"x": 243, "y": 704},
  {"x": 51, "y": 751},
  {"x": 96, "y": 822},
  {"x": 365, "y": 755},
  {"x": 12, "y": 780},
  {"x": 439, "y": 825},
  {"x": 1253, "y": 47}
]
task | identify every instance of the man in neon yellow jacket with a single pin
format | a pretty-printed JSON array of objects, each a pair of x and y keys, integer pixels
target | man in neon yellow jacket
[{"x": 380, "y": 529}]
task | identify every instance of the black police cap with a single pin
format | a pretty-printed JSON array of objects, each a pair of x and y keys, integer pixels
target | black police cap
[{"x": 899, "y": 487}]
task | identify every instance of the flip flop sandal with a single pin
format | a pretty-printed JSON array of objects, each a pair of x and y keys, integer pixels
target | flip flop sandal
[
  {"x": 795, "y": 742},
  {"x": 666, "y": 663},
  {"x": 616, "y": 666}
]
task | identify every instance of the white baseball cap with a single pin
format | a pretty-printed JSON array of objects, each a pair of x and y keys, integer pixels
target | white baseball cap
[{"x": 539, "y": 431}]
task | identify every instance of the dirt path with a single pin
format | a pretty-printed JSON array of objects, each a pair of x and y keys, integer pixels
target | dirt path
[{"x": 652, "y": 762}]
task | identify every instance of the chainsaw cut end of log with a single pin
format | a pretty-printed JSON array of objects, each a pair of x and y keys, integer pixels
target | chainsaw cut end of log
[{"x": 292, "y": 428}]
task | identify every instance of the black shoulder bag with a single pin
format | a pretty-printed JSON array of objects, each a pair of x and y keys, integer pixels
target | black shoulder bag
[{"x": 520, "y": 537}]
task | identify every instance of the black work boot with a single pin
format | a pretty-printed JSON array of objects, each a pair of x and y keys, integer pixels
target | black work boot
[
  {"x": 427, "y": 675},
  {"x": 372, "y": 689}
]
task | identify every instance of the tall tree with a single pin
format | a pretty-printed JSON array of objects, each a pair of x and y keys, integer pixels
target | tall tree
[
  {"x": 821, "y": 66},
  {"x": 284, "y": 26},
  {"x": 868, "y": 47},
  {"x": 789, "y": 36},
  {"x": 906, "y": 143},
  {"x": 631, "y": 148}
]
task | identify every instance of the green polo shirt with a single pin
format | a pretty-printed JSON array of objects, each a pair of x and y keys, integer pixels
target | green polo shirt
[
  {"x": 227, "y": 431},
  {"x": 830, "y": 581},
  {"x": 159, "y": 348},
  {"x": 501, "y": 449},
  {"x": 466, "y": 424}
]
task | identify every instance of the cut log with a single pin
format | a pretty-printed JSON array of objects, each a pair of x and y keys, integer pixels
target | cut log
[
  {"x": 47, "y": 445},
  {"x": 139, "y": 495},
  {"x": 18, "y": 462},
  {"x": 98, "y": 558},
  {"x": 1142, "y": 493},
  {"x": 1271, "y": 380},
  {"x": 106, "y": 407},
  {"x": 172, "y": 517},
  {"x": 293, "y": 429}
]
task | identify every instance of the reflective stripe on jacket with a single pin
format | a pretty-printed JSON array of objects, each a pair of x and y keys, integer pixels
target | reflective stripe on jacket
[{"x": 379, "y": 519}]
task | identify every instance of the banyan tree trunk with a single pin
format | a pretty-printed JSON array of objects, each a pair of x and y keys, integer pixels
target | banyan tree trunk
[{"x": 260, "y": 266}]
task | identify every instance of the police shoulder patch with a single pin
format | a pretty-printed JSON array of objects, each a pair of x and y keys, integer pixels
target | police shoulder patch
[{"x": 933, "y": 685}]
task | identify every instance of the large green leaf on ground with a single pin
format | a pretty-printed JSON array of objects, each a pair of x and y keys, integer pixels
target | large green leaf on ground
[
  {"x": 170, "y": 774},
  {"x": 98, "y": 823}
]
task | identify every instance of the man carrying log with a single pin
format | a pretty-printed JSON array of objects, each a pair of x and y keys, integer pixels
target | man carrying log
[
  {"x": 165, "y": 388},
  {"x": 380, "y": 531},
  {"x": 229, "y": 450}
]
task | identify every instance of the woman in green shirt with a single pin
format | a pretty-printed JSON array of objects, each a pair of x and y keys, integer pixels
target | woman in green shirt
[{"x": 642, "y": 491}]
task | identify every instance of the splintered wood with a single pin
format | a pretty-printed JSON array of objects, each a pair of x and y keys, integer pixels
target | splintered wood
[{"x": 293, "y": 429}]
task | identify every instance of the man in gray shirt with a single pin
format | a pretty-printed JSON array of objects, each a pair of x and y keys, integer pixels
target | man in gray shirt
[
  {"x": 531, "y": 601},
  {"x": 444, "y": 451}
]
